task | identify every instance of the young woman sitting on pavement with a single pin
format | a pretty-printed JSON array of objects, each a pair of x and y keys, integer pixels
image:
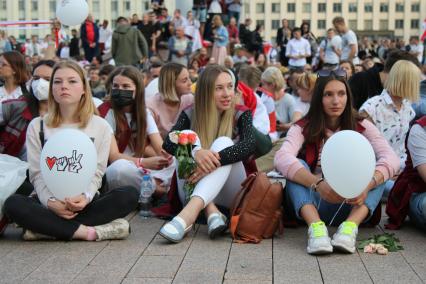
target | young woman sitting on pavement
[
  {"x": 139, "y": 144},
  {"x": 217, "y": 120},
  {"x": 88, "y": 216},
  {"x": 299, "y": 160}
]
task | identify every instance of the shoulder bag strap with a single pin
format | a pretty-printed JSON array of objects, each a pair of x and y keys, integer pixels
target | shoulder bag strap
[{"x": 41, "y": 133}]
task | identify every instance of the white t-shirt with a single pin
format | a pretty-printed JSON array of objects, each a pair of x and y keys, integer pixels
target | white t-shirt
[
  {"x": 417, "y": 48},
  {"x": 151, "y": 126},
  {"x": 301, "y": 107},
  {"x": 327, "y": 45},
  {"x": 284, "y": 109},
  {"x": 298, "y": 47},
  {"x": 417, "y": 145},
  {"x": 152, "y": 89},
  {"x": 348, "y": 39}
]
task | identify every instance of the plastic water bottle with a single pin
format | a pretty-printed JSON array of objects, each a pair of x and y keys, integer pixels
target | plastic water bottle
[{"x": 147, "y": 189}]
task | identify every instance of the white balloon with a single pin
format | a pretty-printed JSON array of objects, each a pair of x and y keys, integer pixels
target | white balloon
[
  {"x": 348, "y": 163},
  {"x": 68, "y": 163},
  {"x": 72, "y": 12}
]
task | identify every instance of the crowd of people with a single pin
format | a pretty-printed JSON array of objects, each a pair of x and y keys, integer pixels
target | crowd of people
[{"x": 253, "y": 107}]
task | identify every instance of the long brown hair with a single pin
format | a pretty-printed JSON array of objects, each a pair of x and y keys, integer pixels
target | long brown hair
[
  {"x": 207, "y": 122},
  {"x": 167, "y": 81},
  {"x": 137, "y": 140},
  {"x": 17, "y": 63},
  {"x": 315, "y": 127},
  {"x": 86, "y": 108}
]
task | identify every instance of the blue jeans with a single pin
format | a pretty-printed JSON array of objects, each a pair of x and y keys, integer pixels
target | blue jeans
[
  {"x": 418, "y": 209},
  {"x": 299, "y": 195}
]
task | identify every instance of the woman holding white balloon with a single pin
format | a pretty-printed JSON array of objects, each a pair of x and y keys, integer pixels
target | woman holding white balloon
[
  {"x": 299, "y": 160},
  {"x": 86, "y": 216}
]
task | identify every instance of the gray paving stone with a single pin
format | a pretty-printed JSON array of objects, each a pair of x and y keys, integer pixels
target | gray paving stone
[
  {"x": 205, "y": 261},
  {"x": 160, "y": 246},
  {"x": 343, "y": 268},
  {"x": 153, "y": 266},
  {"x": 247, "y": 282},
  {"x": 292, "y": 264},
  {"x": 49, "y": 278},
  {"x": 420, "y": 269},
  {"x": 414, "y": 250},
  {"x": 250, "y": 268},
  {"x": 147, "y": 280},
  {"x": 112, "y": 273},
  {"x": 261, "y": 250},
  {"x": 390, "y": 268}
]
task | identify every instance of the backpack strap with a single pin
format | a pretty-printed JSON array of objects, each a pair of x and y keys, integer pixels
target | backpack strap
[{"x": 41, "y": 133}]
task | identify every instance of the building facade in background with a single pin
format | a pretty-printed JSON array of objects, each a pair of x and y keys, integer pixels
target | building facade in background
[{"x": 390, "y": 18}]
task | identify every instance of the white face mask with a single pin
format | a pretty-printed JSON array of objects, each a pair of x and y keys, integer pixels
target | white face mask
[{"x": 40, "y": 89}]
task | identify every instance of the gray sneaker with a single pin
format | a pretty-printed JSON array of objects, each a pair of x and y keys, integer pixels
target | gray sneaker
[{"x": 114, "y": 230}]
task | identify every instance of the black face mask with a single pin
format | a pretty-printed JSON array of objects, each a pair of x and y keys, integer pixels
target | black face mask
[{"x": 122, "y": 98}]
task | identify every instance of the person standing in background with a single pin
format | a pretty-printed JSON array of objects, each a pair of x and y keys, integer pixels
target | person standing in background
[
  {"x": 330, "y": 50},
  {"x": 104, "y": 34},
  {"x": 221, "y": 40},
  {"x": 349, "y": 41},
  {"x": 89, "y": 34},
  {"x": 74, "y": 44},
  {"x": 283, "y": 36}
]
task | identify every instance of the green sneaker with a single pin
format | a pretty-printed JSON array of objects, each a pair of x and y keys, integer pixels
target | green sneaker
[
  {"x": 319, "y": 241},
  {"x": 345, "y": 237}
]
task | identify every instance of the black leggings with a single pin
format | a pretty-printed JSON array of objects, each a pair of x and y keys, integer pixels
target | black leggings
[{"x": 30, "y": 214}]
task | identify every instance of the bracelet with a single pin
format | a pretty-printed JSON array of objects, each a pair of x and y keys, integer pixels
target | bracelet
[
  {"x": 314, "y": 186},
  {"x": 139, "y": 163}
]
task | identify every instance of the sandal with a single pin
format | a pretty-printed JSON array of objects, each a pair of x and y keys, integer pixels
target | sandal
[
  {"x": 172, "y": 236},
  {"x": 217, "y": 223}
]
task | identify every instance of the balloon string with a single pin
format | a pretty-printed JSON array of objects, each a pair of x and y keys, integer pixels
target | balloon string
[{"x": 337, "y": 212}]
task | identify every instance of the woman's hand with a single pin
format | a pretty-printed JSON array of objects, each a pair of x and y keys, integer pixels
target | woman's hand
[
  {"x": 60, "y": 209},
  {"x": 328, "y": 194},
  {"x": 76, "y": 203},
  {"x": 156, "y": 163},
  {"x": 359, "y": 200},
  {"x": 196, "y": 175},
  {"x": 207, "y": 160}
]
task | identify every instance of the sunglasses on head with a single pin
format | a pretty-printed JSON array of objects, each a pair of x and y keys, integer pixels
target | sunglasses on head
[{"x": 339, "y": 72}]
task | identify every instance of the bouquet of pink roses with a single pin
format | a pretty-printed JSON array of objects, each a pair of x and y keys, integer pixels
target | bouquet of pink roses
[{"x": 186, "y": 163}]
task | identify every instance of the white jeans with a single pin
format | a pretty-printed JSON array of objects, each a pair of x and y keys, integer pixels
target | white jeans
[
  {"x": 221, "y": 185},
  {"x": 125, "y": 173}
]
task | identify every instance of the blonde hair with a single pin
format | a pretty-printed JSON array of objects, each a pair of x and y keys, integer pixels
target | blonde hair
[
  {"x": 404, "y": 80},
  {"x": 273, "y": 75},
  {"x": 306, "y": 81},
  {"x": 86, "y": 108},
  {"x": 207, "y": 122},
  {"x": 167, "y": 82},
  {"x": 217, "y": 21}
]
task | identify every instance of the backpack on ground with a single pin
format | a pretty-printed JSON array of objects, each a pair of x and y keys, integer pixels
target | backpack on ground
[{"x": 256, "y": 213}]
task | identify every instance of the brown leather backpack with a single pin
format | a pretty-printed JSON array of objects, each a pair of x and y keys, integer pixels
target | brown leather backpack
[{"x": 256, "y": 213}]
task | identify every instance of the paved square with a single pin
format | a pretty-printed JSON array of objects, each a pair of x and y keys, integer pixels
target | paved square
[{"x": 145, "y": 257}]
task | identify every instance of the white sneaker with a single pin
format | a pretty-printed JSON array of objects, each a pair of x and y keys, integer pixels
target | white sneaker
[
  {"x": 319, "y": 241},
  {"x": 345, "y": 237},
  {"x": 114, "y": 230}
]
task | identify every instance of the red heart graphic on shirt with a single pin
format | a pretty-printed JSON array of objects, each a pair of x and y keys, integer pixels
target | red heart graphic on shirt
[{"x": 50, "y": 162}]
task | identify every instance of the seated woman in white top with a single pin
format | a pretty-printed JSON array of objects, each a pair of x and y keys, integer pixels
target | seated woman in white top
[
  {"x": 139, "y": 144},
  {"x": 87, "y": 216},
  {"x": 391, "y": 111}
]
